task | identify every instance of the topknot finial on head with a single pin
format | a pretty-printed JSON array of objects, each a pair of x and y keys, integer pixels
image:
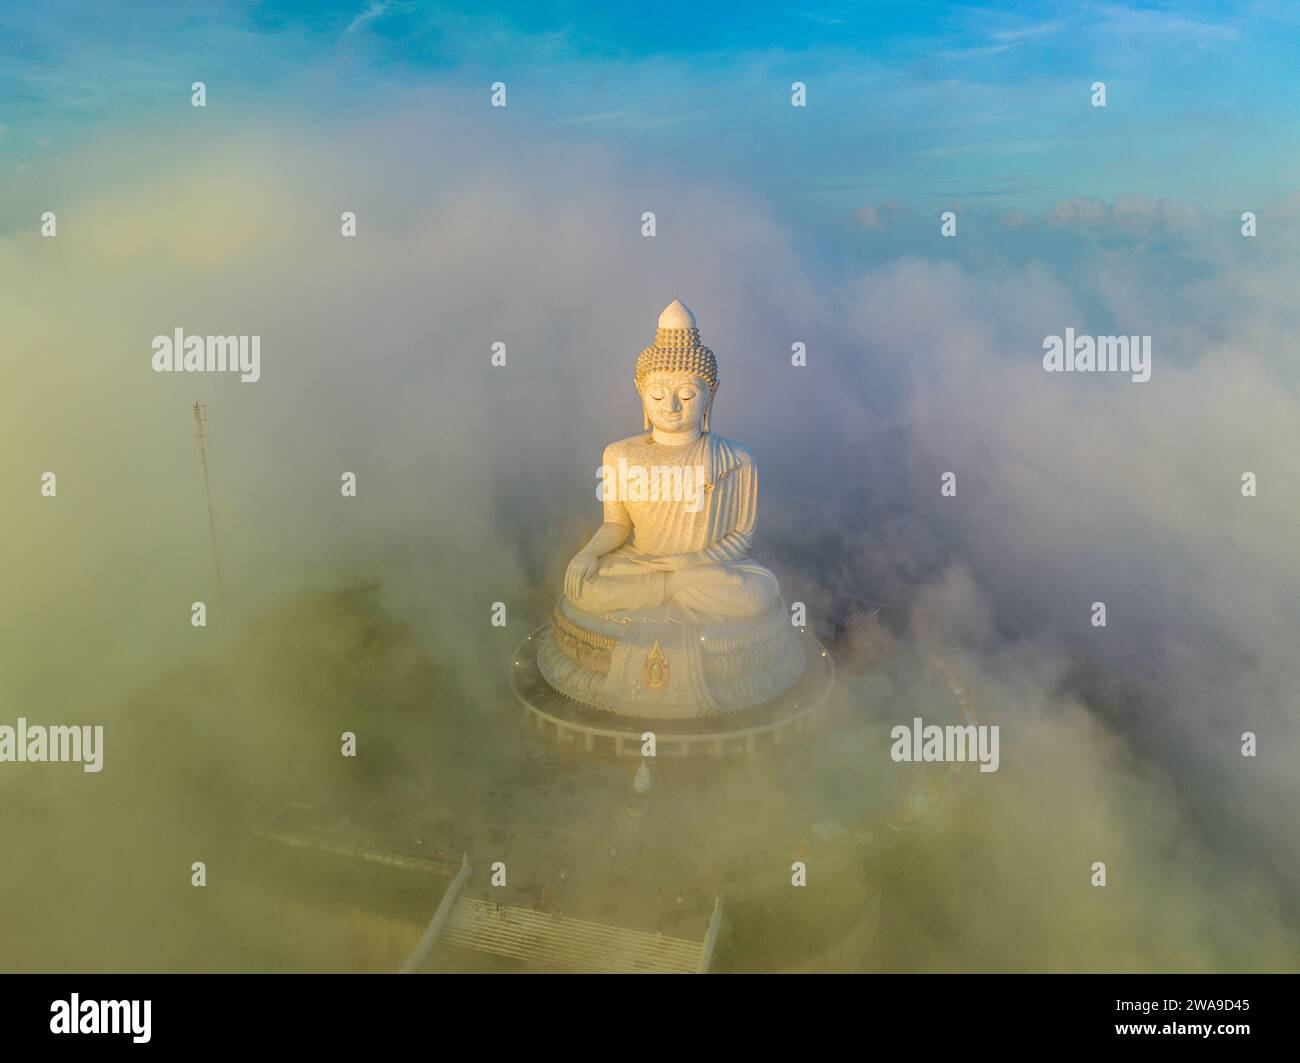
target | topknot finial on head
[
  {"x": 677, "y": 315},
  {"x": 677, "y": 348}
]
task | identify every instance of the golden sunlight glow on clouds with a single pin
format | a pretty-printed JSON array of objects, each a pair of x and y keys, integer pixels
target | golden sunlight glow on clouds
[{"x": 201, "y": 216}]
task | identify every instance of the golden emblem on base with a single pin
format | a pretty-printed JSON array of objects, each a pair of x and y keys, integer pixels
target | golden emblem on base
[{"x": 654, "y": 673}]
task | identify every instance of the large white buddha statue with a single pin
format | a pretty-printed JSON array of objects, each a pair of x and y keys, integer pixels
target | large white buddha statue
[{"x": 664, "y": 614}]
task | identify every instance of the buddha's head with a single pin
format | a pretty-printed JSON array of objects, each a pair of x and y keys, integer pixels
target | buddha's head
[
  {"x": 676, "y": 402},
  {"x": 677, "y": 377}
]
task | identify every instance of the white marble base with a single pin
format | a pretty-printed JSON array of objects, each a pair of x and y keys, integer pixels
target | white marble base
[{"x": 670, "y": 669}]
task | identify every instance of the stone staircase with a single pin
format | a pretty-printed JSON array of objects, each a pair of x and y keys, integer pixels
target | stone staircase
[{"x": 570, "y": 945}]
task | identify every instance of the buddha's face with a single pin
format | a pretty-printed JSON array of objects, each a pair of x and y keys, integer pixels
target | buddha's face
[{"x": 675, "y": 402}]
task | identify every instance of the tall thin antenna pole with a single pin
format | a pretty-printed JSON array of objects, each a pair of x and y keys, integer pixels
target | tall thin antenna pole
[{"x": 203, "y": 442}]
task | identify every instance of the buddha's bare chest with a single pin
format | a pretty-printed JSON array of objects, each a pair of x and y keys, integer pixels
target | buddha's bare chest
[{"x": 653, "y": 480}]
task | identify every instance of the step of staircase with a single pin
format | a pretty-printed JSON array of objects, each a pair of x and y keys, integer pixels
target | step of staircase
[{"x": 571, "y": 944}]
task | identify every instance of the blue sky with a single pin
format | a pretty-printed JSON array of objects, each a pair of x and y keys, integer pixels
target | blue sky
[{"x": 920, "y": 105}]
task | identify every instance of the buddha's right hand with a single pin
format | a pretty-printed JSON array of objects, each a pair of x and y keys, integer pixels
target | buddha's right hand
[{"x": 581, "y": 569}]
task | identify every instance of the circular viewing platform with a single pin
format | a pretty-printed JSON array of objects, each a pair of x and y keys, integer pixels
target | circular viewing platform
[{"x": 598, "y": 732}]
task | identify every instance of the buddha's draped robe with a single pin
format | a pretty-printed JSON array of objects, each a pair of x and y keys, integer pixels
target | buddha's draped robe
[{"x": 716, "y": 579}]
